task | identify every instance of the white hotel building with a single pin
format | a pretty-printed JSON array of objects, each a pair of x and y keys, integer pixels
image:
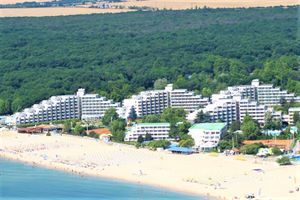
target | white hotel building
[
  {"x": 237, "y": 101},
  {"x": 207, "y": 135},
  {"x": 79, "y": 106},
  {"x": 155, "y": 101},
  {"x": 158, "y": 131},
  {"x": 251, "y": 108},
  {"x": 225, "y": 110}
]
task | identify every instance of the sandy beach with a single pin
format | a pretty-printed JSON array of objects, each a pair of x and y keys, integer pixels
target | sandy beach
[{"x": 222, "y": 177}]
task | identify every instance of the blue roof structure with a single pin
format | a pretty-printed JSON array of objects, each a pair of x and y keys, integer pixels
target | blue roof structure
[{"x": 183, "y": 150}]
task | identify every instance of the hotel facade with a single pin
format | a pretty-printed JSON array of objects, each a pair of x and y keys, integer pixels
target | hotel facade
[
  {"x": 158, "y": 131},
  {"x": 155, "y": 101},
  {"x": 254, "y": 100},
  {"x": 207, "y": 135},
  {"x": 78, "y": 106}
]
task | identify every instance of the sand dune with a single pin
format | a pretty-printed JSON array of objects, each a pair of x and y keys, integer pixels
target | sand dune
[
  {"x": 203, "y": 174},
  {"x": 38, "y": 12}
]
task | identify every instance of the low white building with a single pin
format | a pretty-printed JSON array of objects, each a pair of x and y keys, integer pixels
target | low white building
[
  {"x": 158, "y": 131},
  {"x": 207, "y": 135}
]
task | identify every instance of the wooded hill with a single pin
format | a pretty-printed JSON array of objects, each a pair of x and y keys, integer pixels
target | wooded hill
[{"x": 117, "y": 55}]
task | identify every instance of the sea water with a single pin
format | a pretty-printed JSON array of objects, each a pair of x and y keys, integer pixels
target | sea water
[{"x": 20, "y": 181}]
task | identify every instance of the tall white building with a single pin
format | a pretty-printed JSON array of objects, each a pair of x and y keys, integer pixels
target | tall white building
[
  {"x": 225, "y": 110},
  {"x": 93, "y": 106},
  {"x": 147, "y": 103},
  {"x": 251, "y": 108},
  {"x": 155, "y": 101},
  {"x": 158, "y": 131},
  {"x": 269, "y": 95},
  {"x": 264, "y": 94},
  {"x": 79, "y": 106},
  {"x": 56, "y": 108},
  {"x": 181, "y": 98}
]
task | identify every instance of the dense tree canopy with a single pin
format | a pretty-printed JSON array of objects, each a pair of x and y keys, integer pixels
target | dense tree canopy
[{"x": 117, "y": 55}]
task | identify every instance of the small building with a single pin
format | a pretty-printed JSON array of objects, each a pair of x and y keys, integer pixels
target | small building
[
  {"x": 30, "y": 130},
  {"x": 281, "y": 144},
  {"x": 292, "y": 111},
  {"x": 104, "y": 133},
  {"x": 181, "y": 150},
  {"x": 207, "y": 135},
  {"x": 158, "y": 131}
]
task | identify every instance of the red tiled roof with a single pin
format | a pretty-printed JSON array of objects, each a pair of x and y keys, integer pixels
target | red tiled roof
[
  {"x": 271, "y": 143},
  {"x": 101, "y": 131}
]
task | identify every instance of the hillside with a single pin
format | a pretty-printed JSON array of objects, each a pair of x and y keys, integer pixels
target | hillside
[{"x": 117, "y": 55}]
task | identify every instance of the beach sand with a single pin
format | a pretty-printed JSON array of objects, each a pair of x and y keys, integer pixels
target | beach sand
[{"x": 201, "y": 174}]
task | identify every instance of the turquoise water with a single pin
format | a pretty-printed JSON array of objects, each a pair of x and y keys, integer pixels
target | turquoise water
[{"x": 20, "y": 181}]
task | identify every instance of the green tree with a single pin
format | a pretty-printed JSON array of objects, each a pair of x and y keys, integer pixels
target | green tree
[
  {"x": 148, "y": 137},
  {"x": 132, "y": 114},
  {"x": 67, "y": 126},
  {"x": 296, "y": 117},
  {"x": 235, "y": 126},
  {"x": 4, "y": 107},
  {"x": 187, "y": 141},
  {"x": 109, "y": 116},
  {"x": 276, "y": 151},
  {"x": 224, "y": 145},
  {"x": 270, "y": 122},
  {"x": 117, "y": 128},
  {"x": 154, "y": 144},
  {"x": 16, "y": 105},
  {"x": 78, "y": 130},
  {"x": 251, "y": 148},
  {"x": 202, "y": 117},
  {"x": 173, "y": 115},
  {"x": 250, "y": 128},
  {"x": 140, "y": 139},
  {"x": 151, "y": 119},
  {"x": 206, "y": 92},
  {"x": 160, "y": 84}
]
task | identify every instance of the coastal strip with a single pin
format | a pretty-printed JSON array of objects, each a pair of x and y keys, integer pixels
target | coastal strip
[{"x": 222, "y": 177}]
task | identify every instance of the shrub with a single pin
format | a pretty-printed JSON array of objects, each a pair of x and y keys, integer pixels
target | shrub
[
  {"x": 276, "y": 151},
  {"x": 284, "y": 160},
  {"x": 140, "y": 139},
  {"x": 48, "y": 134},
  {"x": 187, "y": 143},
  {"x": 251, "y": 148},
  {"x": 158, "y": 144},
  {"x": 93, "y": 135}
]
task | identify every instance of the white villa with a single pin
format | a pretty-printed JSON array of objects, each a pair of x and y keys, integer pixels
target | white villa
[{"x": 207, "y": 135}]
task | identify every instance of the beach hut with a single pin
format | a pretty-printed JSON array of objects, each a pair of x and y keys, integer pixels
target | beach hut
[
  {"x": 104, "y": 133},
  {"x": 181, "y": 150}
]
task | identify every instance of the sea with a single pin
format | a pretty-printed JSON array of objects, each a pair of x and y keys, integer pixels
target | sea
[{"x": 20, "y": 181}]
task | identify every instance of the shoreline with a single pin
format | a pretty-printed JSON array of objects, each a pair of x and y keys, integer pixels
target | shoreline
[
  {"x": 94, "y": 175},
  {"x": 203, "y": 175}
]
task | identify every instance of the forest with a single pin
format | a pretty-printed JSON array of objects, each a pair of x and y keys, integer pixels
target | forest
[{"x": 117, "y": 55}]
